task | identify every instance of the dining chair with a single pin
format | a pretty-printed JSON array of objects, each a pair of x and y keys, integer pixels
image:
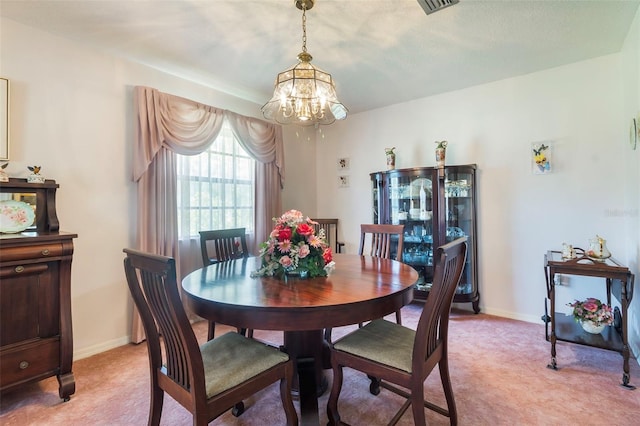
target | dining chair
[
  {"x": 220, "y": 245},
  {"x": 396, "y": 357},
  {"x": 209, "y": 379},
  {"x": 330, "y": 227},
  {"x": 377, "y": 240}
]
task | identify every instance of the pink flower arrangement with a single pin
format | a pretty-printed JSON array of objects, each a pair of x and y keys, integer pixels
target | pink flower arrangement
[
  {"x": 294, "y": 246},
  {"x": 592, "y": 310}
]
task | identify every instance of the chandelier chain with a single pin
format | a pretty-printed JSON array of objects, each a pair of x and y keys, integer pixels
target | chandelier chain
[{"x": 304, "y": 28}]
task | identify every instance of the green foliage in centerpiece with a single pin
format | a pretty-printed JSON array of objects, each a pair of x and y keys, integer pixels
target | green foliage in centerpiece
[{"x": 294, "y": 246}]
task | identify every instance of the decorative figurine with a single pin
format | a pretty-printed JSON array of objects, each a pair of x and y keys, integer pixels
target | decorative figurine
[
  {"x": 35, "y": 176},
  {"x": 4, "y": 177},
  {"x": 568, "y": 252}
]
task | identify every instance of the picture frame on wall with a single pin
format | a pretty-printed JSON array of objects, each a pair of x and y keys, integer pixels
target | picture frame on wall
[
  {"x": 4, "y": 119},
  {"x": 343, "y": 163},
  {"x": 343, "y": 181},
  {"x": 541, "y": 158}
]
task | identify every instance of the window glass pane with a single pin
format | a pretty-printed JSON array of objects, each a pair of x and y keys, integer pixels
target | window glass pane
[
  {"x": 229, "y": 194},
  {"x": 244, "y": 169},
  {"x": 245, "y": 196},
  {"x": 216, "y": 187}
]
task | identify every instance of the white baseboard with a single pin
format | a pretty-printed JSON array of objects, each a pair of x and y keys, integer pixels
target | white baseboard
[{"x": 101, "y": 347}]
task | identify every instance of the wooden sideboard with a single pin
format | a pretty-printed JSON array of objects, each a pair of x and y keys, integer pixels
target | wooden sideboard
[{"x": 36, "y": 339}]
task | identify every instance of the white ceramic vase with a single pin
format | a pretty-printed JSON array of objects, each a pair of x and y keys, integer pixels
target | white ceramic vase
[
  {"x": 440, "y": 156},
  {"x": 391, "y": 161},
  {"x": 591, "y": 327}
]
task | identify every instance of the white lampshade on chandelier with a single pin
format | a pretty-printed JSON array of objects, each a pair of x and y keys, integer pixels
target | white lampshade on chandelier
[{"x": 303, "y": 94}]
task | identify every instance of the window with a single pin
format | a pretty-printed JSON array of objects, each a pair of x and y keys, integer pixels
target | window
[{"x": 216, "y": 188}]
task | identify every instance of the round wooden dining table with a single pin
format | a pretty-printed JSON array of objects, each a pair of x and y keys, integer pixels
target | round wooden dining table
[{"x": 358, "y": 289}]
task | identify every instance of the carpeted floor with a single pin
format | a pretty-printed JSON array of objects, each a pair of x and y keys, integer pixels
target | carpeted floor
[{"x": 498, "y": 370}]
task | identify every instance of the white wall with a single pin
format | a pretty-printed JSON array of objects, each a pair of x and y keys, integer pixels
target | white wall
[
  {"x": 583, "y": 109},
  {"x": 300, "y": 170},
  {"x": 72, "y": 114}
]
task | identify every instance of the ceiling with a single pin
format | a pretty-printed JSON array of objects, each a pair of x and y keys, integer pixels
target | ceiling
[{"x": 380, "y": 52}]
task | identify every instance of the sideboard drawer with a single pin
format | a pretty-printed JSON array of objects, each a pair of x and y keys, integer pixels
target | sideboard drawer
[
  {"x": 32, "y": 252},
  {"x": 24, "y": 362}
]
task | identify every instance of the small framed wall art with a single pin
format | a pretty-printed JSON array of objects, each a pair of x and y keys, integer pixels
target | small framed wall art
[
  {"x": 343, "y": 163},
  {"x": 541, "y": 158},
  {"x": 4, "y": 119}
]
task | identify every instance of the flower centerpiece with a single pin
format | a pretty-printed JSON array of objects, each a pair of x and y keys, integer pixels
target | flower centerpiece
[
  {"x": 294, "y": 246},
  {"x": 592, "y": 314}
]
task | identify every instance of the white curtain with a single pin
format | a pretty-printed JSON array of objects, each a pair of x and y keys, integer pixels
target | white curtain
[{"x": 168, "y": 124}]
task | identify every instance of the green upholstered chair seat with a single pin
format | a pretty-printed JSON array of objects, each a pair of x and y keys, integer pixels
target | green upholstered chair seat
[
  {"x": 232, "y": 359},
  {"x": 381, "y": 341}
]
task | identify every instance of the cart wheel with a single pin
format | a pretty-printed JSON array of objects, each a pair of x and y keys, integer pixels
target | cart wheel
[{"x": 238, "y": 409}]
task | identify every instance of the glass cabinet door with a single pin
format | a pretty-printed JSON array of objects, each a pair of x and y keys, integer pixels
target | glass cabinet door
[
  {"x": 377, "y": 192},
  {"x": 459, "y": 191},
  {"x": 411, "y": 205}
]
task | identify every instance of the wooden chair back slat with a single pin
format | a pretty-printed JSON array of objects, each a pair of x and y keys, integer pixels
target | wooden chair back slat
[
  {"x": 226, "y": 244},
  {"x": 330, "y": 229},
  {"x": 379, "y": 240}
]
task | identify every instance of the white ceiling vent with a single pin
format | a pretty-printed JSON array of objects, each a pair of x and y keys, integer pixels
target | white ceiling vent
[{"x": 431, "y": 6}]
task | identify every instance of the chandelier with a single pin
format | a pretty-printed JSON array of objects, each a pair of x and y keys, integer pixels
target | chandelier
[{"x": 304, "y": 94}]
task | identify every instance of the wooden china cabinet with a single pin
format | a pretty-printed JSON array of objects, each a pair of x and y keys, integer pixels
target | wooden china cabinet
[
  {"x": 36, "y": 338},
  {"x": 435, "y": 206}
]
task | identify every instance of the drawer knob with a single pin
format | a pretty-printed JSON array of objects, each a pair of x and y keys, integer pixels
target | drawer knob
[
  {"x": 24, "y": 365},
  {"x": 19, "y": 269},
  {"x": 45, "y": 252}
]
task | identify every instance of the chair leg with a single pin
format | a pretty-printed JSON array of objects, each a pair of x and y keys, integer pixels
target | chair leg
[
  {"x": 200, "y": 419},
  {"x": 448, "y": 390},
  {"x": 332, "y": 403},
  {"x": 374, "y": 387},
  {"x": 287, "y": 400},
  {"x": 155, "y": 406},
  {"x": 212, "y": 330},
  {"x": 398, "y": 317},
  {"x": 417, "y": 405}
]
